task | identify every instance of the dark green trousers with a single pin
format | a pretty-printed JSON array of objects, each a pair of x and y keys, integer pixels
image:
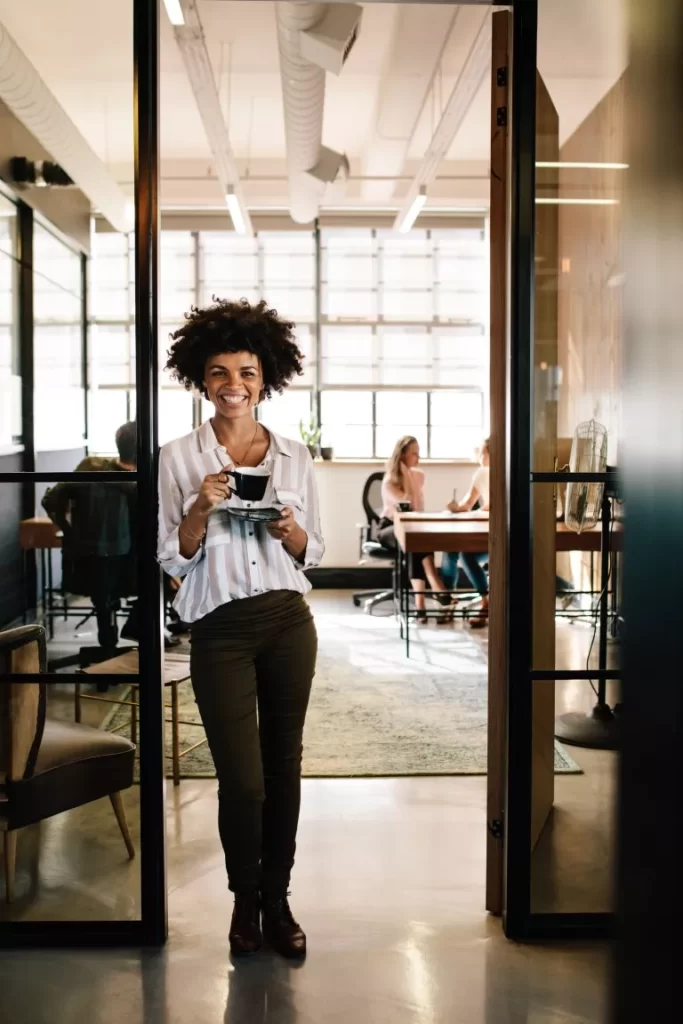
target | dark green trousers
[{"x": 252, "y": 664}]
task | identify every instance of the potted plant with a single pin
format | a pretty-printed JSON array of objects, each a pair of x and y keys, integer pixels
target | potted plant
[{"x": 310, "y": 435}]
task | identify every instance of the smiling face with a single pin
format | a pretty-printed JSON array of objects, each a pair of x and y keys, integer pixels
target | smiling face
[
  {"x": 411, "y": 456},
  {"x": 233, "y": 383}
]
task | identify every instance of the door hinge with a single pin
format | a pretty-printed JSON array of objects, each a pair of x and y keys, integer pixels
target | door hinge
[
  {"x": 496, "y": 828},
  {"x": 502, "y": 77},
  {"x": 502, "y": 117}
]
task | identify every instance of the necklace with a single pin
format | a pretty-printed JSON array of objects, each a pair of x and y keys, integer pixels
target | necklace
[{"x": 240, "y": 462}]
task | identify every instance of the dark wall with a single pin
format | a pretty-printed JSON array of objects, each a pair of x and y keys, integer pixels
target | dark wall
[{"x": 11, "y": 560}]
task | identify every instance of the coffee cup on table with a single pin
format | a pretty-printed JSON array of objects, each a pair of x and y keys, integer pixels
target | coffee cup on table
[
  {"x": 403, "y": 506},
  {"x": 249, "y": 482}
]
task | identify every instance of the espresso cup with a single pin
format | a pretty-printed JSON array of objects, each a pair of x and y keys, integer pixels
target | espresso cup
[
  {"x": 249, "y": 482},
  {"x": 403, "y": 506}
]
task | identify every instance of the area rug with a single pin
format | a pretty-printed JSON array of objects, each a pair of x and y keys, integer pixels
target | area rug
[{"x": 375, "y": 713}]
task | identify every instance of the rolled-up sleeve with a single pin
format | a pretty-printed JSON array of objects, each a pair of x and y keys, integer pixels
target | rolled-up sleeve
[
  {"x": 170, "y": 518},
  {"x": 309, "y": 520}
]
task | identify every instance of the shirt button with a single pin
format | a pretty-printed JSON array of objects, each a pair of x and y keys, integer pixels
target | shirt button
[{"x": 253, "y": 563}]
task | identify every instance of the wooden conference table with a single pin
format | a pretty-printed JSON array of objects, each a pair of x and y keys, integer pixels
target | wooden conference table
[{"x": 469, "y": 531}]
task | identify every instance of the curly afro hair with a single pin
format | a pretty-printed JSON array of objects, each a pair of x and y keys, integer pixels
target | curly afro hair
[{"x": 235, "y": 327}]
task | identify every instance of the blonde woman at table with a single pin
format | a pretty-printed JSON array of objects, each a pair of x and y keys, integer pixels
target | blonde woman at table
[
  {"x": 472, "y": 562},
  {"x": 404, "y": 483}
]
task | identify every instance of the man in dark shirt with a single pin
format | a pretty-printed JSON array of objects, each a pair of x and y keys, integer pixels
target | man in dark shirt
[{"x": 99, "y": 526}]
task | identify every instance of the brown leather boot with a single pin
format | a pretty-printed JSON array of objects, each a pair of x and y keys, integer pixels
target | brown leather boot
[
  {"x": 280, "y": 930},
  {"x": 245, "y": 927}
]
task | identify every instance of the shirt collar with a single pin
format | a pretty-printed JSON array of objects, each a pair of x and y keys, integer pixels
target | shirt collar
[{"x": 208, "y": 442}]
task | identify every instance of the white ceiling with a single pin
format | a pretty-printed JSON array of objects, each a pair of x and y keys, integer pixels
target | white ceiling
[{"x": 83, "y": 50}]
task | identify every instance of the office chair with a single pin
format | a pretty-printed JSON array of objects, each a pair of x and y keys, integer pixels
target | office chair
[{"x": 370, "y": 547}]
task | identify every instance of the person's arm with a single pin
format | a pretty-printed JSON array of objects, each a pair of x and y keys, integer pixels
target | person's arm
[
  {"x": 299, "y": 529},
  {"x": 468, "y": 502},
  {"x": 56, "y": 504},
  {"x": 391, "y": 495},
  {"x": 181, "y": 536}
]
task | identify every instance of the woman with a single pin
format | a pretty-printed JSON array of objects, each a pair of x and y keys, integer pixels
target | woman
[
  {"x": 404, "y": 482},
  {"x": 472, "y": 563},
  {"x": 253, "y": 641}
]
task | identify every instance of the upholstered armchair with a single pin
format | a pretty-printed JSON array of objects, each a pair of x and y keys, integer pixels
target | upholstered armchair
[{"x": 46, "y": 766}]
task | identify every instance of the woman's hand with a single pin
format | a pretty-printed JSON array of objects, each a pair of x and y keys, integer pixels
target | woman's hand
[
  {"x": 290, "y": 533},
  {"x": 214, "y": 490}
]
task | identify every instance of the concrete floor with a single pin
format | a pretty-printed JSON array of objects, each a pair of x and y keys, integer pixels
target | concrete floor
[{"x": 389, "y": 885}]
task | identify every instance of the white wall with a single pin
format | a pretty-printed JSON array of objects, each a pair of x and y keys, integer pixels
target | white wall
[{"x": 340, "y": 488}]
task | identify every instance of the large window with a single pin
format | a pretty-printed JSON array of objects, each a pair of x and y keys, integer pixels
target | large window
[
  {"x": 10, "y": 382},
  {"x": 57, "y": 343},
  {"x": 401, "y": 344},
  {"x": 404, "y": 340}
]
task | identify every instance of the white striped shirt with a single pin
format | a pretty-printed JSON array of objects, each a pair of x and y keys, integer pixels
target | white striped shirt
[{"x": 236, "y": 559}]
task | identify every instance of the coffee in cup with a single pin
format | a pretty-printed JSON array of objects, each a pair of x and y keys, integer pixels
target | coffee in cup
[{"x": 249, "y": 482}]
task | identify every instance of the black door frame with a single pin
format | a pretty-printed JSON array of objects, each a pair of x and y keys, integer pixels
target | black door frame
[
  {"x": 520, "y": 922},
  {"x": 152, "y": 926}
]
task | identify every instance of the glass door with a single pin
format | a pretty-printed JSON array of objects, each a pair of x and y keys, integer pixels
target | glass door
[
  {"x": 565, "y": 506},
  {"x": 82, "y": 822}
]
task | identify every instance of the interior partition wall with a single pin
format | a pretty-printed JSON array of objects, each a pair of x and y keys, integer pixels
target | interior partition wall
[
  {"x": 114, "y": 901},
  {"x": 568, "y": 174}
]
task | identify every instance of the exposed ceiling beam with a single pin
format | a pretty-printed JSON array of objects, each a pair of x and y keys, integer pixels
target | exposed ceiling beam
[
  {"x": 468, "y": 83},
  {"x": 25, "y": 93},
  {"x": 406, "y": 82},
  {"x": 193, "y": 49}
]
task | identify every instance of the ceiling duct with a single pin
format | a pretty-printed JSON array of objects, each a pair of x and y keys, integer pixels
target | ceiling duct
[
  {"x": 25, "y": 93},
  {"x": 189, "y": 35},
  {"x": 313, "y": 38}
]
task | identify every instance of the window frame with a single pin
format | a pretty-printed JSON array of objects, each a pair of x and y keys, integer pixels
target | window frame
[{"x": 376, "y": 246}]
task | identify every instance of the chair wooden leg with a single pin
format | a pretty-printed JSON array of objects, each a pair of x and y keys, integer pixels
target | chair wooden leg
[
  {"x": 120, "y": 812},
  {"x": 10, "y": 845},
  {"x": 175, "y": 734},
  {"x": 134, "y": 721}
]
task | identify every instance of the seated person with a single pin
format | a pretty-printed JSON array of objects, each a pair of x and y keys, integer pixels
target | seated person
[
  {"x": 404, "y": 482},
  {"x": 97, "y": 523},
  {"x": 472, "y": 562}
]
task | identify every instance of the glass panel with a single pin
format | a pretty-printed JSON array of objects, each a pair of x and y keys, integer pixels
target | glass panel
[
  {"x": 457, "y": 424},
  {"x": 107, "y": 411},
  {"x": 406, "y": 277},
  {"x": 346, "y": 421},
  {"x": 349, "y": 271},
  {"x": 73, "y": 864},
  {"x": 57, "y": 344},
  {"x": 175, "y": 413},
  {"x": 461, "y": 356},
  {"x": 228, "y": 266},
  {"x": 111, "y": 355},
  {"x": 10, "y": 382},
  {"x": 405, "y": 356},
  {"x": 284, "y": 413},
  {"x": 581, "y": 177},
  {"x": 109, "y": 276},
  {"x": 347, "y": 355},
  {"x": 398, "y": 413}
]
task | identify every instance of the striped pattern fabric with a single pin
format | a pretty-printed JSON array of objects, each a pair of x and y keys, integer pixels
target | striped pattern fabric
[{"x": 236, "y": 559}]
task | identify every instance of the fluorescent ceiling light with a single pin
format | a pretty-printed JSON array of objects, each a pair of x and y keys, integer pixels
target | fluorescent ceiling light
[
  {"x": 413, "y": 210},
  {"x": 577, "y": 202},
  {"x": 235, "y": 210},
  {"x": 175, "y": 12},
  {"x": 582, "y": 165}
]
